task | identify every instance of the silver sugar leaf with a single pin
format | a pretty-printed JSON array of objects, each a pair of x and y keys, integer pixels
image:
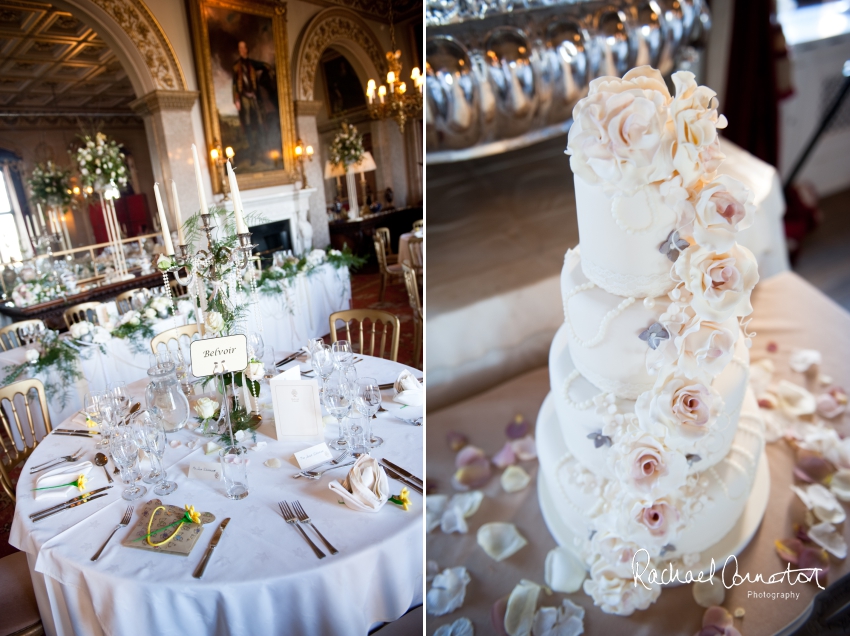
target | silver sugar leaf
[
  {"x": 654, "y": 334},
  {"x": 673, "y": 246}
]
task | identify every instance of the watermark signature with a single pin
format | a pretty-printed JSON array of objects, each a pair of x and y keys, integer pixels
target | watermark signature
[{"x": 641, "y": 569}]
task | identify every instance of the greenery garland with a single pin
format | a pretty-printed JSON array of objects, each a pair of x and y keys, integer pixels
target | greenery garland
[
  {"x": 50, "y": 184},
  {"x": 138, "y": 334},
  {"x": 54, "y": 355},
  {"x": 41, "y": 290},
  {"x": 274, "y": 280}
]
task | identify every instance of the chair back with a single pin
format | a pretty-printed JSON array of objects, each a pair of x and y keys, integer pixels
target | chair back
[
  {"x": 18, "y": 437},
  {"x": 416, "y": 260},
  {"x": 412, "y": 291},
  {"x": 367, "y": 335},
  {"x": 20, "y": 333},
  {"x": 124, "y": 300},
  {"x": 418, "y": 224},
  {"x": 178, "y": 290},
  {"x": 386, "y": 237},
  {"x": 381, "y": 253},
  {"x": 174, "y": 334},
  {"x": 81, "y": 312}
]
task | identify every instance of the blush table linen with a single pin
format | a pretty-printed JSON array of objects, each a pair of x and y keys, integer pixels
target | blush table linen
[
  {"x": 262, "y": 578},
  {"x": 788, "y": 312}
]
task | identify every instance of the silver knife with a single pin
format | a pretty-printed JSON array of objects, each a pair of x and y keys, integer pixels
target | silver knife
[
  {"x": 69, "y": 434},
  {"x": 73, "y": 505},
  {"x": 401, "y": 471},
  {"x": 403, "y": 480},
  {"x": 70, "y": 501},
  {"x": 199, "y": 571}
]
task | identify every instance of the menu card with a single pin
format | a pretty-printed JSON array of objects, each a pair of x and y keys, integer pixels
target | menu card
[{"x": 297, "y": 411}]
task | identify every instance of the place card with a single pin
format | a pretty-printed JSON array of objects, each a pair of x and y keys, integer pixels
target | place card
[
  {"x": 204, "y": 470},
  {"x": 214, "y": 354},
  {"x": 297, "y": 412},
  {"x": 313, "y": 455}
]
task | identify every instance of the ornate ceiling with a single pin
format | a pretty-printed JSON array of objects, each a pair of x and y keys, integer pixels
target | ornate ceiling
[
  {"x": 50, "y": 62},
  {"x": 378, "y": 10}
]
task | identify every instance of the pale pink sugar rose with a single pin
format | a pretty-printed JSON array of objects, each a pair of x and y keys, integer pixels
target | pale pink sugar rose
[
  {"x": 620, "y": 136},
  {"x": 646, "y": 466},
  {"x": 723, "y": 207},
  {"x": 658, "y": 518},
  {"x": 616, "y": 551},
  {"x": 696, "y": 151},
  {"x": 700, "y": 348},
  {"x": 721, "y": 283},
  {"x": 614, "y": 594}
]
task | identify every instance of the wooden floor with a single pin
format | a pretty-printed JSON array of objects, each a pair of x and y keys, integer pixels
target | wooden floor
[{"x": 825, "y": 257}]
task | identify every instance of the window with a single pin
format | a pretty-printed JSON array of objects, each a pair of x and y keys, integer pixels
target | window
[{"x": 10, "y": 245}]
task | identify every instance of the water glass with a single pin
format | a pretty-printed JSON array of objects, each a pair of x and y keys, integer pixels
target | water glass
[
  {"x": 125, "y": 454},
  {"x": 119, "y": 393},
  {"x": 91, "y": 408},
  {"x": 368, "y": 400},
  {"x": 255, "y": 342},
  {"x": 357, "y": 432},
  {"x": 342, "y": 354},
  {"x": 336, "y": 395},
  {"x": 234, "y": 471},
  {"x": 323, "y": 362}
]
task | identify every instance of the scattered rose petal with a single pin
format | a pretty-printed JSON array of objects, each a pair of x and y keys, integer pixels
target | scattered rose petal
[
  {"x": 739, "y": 612},
  {"x": 772, "y": 347},
  {"x": 768, "y": 401},
  {"x": 453, "y": 521},
  {"x": 717, "y": 622},
  {"x": 191, "y": 444},
  {"x": 447, "y": 592},
  {"x": 564, "y": 571},
  {"x": 505, "y": 457},
  {"x": 473, "y": 475},
  {"x": 789, "y": 549},
  {"x": 500, "y": 540},
  {"x": 832, "y": 403},
  {"x": 431, "y": 570},
  {"x": 840, "y": 484},
  {"x": 761, "y": 375},
  {"x": 468, "y": 455},
  {"x": 274, "y": 462},
  {"x": 461, "y": 627},
  {"x": 174, "y": 443},
  {"x": 822, "y": 502},
  {"x": 567, "y": 620},
  {"x": 825, "y": 380},
  {"x": 519, "y": 615},
  {"x": 709, "y": 593},
  {"x": 812, "y": 467},
  {"x": 497, "y": 616},
  {"x": 794, "y": 400},
  {"x": 814, "y": 558},
  {"x": 259, "y": 446},
  {"x": 458, "y": 508},
  {"x": 803, "y": 359},
  {"x": 518, "y": 428},
  {"x": 239, "y": 435},
  {"x": 525, "y": 448},
  {"x": 827, "y": 537},
  {"x": 211, "y": 447},
  {"x": 515, "y": 479},
  {"x": 456, "y": 440},
  {"x": 434, "y": 507}
]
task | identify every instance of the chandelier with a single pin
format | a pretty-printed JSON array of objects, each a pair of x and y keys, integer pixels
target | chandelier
[{"x": 398, "y": 102}]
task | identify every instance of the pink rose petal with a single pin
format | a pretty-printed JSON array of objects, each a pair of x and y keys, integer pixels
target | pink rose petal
[
  {"x": 467, "y": 455},
  {"x": 518, "y": 428},
  {"x": 497, "y": 616},
  {"x": 456, "y": 440},
  {"x": 525, "y": 448},
  {"x": 813, "y": 468},
  {"x": 772, "y": 347},
  {"x": 811, "y": 558},
  {"x": 505, "y": 457},
  {"x": 473, "y": 475},
  {"x": 789, "y": 550},
  {"x": 717, "y": 616}
]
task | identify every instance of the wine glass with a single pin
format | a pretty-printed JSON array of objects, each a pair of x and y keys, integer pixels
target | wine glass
[
  {"x": 368, "y": 400},
  {"x": 323, "y": 362},
  {"x": 337, "y": 398},
  {"x": 255, "y": 342},
  {"x": 342, "y": 354},
  {"x": 125, "y": 454},
  {"x": 91, "y": 408},
  {"x": 150, "y": 435},
  {"x": 315, "y": 343},
  {"x": 122, "y": 398}
]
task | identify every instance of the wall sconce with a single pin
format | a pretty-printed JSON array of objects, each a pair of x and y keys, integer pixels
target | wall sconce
[
  {"x": 300, "y": 151},
  {"x": 220, "y": 158}
]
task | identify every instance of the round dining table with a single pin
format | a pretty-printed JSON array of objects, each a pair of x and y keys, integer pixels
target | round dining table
[
  {"x": 404, "y": 245},
  {"x": 263, "y": 577}
]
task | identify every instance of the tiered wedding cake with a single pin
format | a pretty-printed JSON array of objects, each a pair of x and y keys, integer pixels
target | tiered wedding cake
[{"x": 655, "y": 440}]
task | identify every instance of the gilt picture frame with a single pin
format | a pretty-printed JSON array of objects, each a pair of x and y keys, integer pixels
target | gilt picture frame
[{"x": 244, "y": 77}]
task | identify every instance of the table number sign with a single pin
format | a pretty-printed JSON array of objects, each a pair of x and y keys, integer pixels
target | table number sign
[
  {"x": 297, "y": 412},
  {"x": 215, "y": 355}
]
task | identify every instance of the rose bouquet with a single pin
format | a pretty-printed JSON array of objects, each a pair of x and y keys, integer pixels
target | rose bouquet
[
  {"x": 347, "y": 146},
  {"x": 100, "y": 162},
  {"x": 50, "y": 184}
]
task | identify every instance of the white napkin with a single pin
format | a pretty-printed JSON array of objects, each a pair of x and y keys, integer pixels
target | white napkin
[
  {"x": 408, "y": 390},
  {"x": 64, "y": 474},
  {"x": 365, "y": 488},
  {"x": 306, "y": 351}
]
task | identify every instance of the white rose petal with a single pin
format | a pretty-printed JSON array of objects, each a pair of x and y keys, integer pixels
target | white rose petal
[
  {"x": 500, "y": 540},
  {"x": 259, "y": 446},
  {"x": 461, "y": 627},
  {"x": 564, "y": 571},
  {"x": 709, "y": 593},
  {"x": 822, "y": 502},
  {"x": 519, "y": 614},
  {"x": 514, "y": 479},
  {"x": 827, "y": 537},
  {"x": 457, "y": 510},
  {"x": 840, "y": 484},
  {"x": 453, "y": 520},
  {"x": 794, "y": 400},
  {"x": 447, "y": 592},
  {"x": 274, "y": 462},
  {"x": 566, "y": 620},
  {"x": 434, "y": 507},
  {"x": 174, "y": 443},
  {"x": 239, "y": 435},
  {"x": 761, "y": 375},
  {"x": 803, "y": 359},
  {"x": 211, "y": 447}
]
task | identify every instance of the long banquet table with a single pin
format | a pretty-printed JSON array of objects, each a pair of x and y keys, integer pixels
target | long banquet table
[
  {"x": 788, "y": 312},
  {"x": 263, "y": 578}
]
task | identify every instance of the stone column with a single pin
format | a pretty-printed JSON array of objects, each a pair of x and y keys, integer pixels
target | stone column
[
  {"x": 168, "y": 123},
  {"x": 389, "y": 151},
  {"x": 305, "y": 124}
]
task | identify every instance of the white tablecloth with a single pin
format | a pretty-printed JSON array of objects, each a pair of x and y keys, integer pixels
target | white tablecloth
[{"x": 262, "y": 579}]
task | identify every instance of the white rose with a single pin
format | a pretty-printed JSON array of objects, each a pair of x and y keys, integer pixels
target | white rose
[
  {"x": 704, "y": 348},
  {"x": 695, "y": 119},
  {"x": 723, "y": 207},
  {"x": 206, "y": 408},
  {"x": 214, "y": 321},
  {"x": 652, "y": 523},
  {"x": 100, "y": 335},
  {"x": 335, "y": 253},
  {"x": 79, "y": 329},
  {"x": 615, "y": 551},
  {"x": 32, "y": 355},
  {"x": 678, "y": 411},
  {"x": 316, "y": 257},
  {"x": 150, "y": 313},
  {"x": 721, "y": 283},
  {"x": 619, "y": 135},
  {"x": 644, "y": 464},
  {"x": 255, "y": 370},
  {"x": 617, "y": 595},
  {"x": 134, "y": 317}
]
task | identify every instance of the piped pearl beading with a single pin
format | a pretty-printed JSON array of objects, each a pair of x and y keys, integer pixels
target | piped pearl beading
[
  {"x": 606, "y": 319},
  {"x": 581, "y": 406}
]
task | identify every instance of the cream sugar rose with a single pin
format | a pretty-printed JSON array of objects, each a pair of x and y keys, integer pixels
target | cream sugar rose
[{"x": 650, "y": 438}]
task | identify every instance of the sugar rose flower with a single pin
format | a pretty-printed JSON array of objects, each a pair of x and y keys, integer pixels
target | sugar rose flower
[
  {"x": 654, "y": 523},
  {"x": 645, "y": 465},
  {"x": 722, "y": 207},
  {"x": 214, "y": 321},
  {"x": 694, "y": 113},
  {"x": 618, "y": 595},
  {"x": 620, "y": 136},
  {"x": 616, "y": 551},
  {"x": 704, "y": 348},
  {"x": 678, "y": 410},
  {"x": 721, "y": 283}
]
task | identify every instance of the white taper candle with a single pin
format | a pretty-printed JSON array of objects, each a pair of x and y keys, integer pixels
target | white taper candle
[
  {"x": 241, "y": 227},
  {"x": 163, "y": 221},
  {"x": 202, "y": 198},
  {"x": 177, "y": 214}
]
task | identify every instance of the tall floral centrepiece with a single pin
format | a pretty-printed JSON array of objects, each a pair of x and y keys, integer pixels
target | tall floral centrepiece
[
  {"x": 101, "y": 161},
  {"x": 347, "y": 146},
  {"x": 50, "y": 185}
]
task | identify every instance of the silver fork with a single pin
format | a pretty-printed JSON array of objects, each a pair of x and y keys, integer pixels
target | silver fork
[
  {"x": 125, "y": 520},
  {"x": 56, "y": 462},
  {"x": 416, "y": 422},
  {"x": 290, "y": 518},
  {"x": 333, "y": 462},
  {"x": 315, "y": 474},
  {"x": 303, "y": 518}
]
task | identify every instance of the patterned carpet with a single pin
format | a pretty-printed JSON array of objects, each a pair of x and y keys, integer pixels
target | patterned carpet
[{"x": 365, "y": 289}]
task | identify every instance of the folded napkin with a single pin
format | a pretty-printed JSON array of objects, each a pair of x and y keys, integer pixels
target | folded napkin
[
  {"x": 365, "y": 488},
  {"x": 64, "y": 474},
  {"x": 408, "y": 390}
]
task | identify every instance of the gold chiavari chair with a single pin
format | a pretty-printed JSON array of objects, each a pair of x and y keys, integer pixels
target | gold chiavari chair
[
  {"x": 418, "y": 224},
  {"x": 416, "y": 306},
  {"x": 81, "y": 312},
  {"x": 380, "y": 324},
  {"x": 16, "y": 449},
  {"x": 20, "y": 333},
  {"x": 390, "y": 273},
  {"x": 386, "y": 237},
  {"x": 416, "y": 260},
  {"x": 124, "y": 300},
  {"x": 174, "y": 334}
]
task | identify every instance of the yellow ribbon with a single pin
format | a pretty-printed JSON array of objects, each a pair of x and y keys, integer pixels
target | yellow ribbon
[{"x": 174, "y": 534}]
